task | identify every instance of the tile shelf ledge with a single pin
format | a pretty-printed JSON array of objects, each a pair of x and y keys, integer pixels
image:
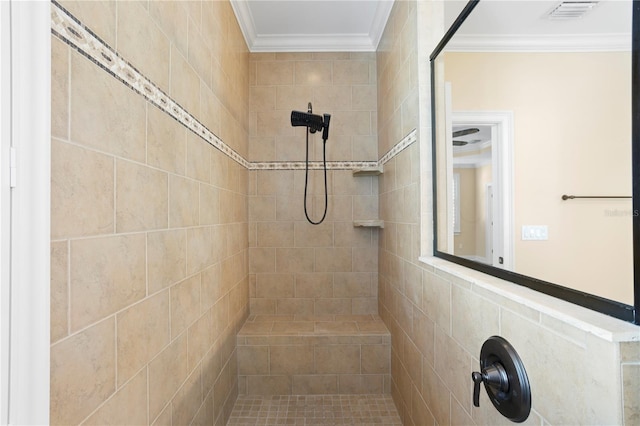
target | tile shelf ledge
[
  {"x": 368, "y": 223},
  {"x": 368, "y": 171},
  {"x": 603, "y": 326}
]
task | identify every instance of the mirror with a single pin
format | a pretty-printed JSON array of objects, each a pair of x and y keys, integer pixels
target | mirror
[{"x": 532, "y": 133}]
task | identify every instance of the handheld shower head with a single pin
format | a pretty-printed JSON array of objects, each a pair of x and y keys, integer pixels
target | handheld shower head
[{"x": 312, "y": 121}]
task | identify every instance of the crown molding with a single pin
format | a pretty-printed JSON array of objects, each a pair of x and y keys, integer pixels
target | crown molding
[
  {"x": 313, "y": 43},
  {"x": 540, "y": 43},
  {"x": 364, "y": 42}
]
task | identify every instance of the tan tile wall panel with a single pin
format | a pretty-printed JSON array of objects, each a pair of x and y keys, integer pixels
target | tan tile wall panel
[
  {"x": 438, "y": 322},
  {"x": 149, "y": 222},
  {"x": 284, "y": 245},
  {"x": 299, "y": 268}
]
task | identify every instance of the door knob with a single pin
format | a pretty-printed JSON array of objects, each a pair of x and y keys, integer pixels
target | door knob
[{"x": 504, "y": 378}]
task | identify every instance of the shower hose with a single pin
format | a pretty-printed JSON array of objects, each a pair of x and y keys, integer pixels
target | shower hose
[{"x": 306, "y": 180}]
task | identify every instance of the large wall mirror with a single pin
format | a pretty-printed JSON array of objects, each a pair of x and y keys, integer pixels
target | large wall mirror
[{"x": 533, "y": 138}]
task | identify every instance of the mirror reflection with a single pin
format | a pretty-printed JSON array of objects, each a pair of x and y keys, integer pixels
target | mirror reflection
[{"x": 533, "y": 102}]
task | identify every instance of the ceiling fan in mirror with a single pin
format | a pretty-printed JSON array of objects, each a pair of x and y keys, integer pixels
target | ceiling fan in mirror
[{"x": 465, "y": 132}]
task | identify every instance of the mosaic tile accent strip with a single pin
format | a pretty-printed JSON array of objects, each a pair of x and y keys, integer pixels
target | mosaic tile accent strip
[
  {"x": 327, "y": 410},
  {"x": 313, "y": 165},
  {"x": 404, "y": 143},
  {"x": 70, "y": 30}
]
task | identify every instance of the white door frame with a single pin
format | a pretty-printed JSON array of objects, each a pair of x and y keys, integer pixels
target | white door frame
[
  {"x": 502, "y": 164},
  {"x": 25, "y": 191}
]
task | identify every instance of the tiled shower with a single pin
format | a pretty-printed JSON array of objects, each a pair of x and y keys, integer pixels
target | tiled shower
[{"x": 177, "y": 216}]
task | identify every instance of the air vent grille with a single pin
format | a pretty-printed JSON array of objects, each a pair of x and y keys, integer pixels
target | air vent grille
[{"x": 568, "y": 10}]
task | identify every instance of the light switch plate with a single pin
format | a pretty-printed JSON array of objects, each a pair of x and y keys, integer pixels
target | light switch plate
[{"x": 535, "y": 233}]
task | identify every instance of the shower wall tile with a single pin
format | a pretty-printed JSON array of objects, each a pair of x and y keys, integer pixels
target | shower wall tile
[
  {"x": 105, "y": 114},
  {"x": 107, "y": 275},
  {"x": 166, "y": 142},
  {"x": 149, "y": 221},
  {"x": 82, "y": 191},
  {"x": 83, "y": 372},
  {"x": 143, "y": 330},
  {"x": 59, "y": 88},
  {"x": 142, "y": 40},
  {"x": 141, "y": 198},
  {"x": 59, "y": 290}
]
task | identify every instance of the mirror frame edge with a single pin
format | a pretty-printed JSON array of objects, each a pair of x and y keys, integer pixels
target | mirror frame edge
[{"x": 609, "y": 307}]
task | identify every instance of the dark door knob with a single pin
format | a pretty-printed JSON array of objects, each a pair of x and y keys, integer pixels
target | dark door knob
[{"x": 504, "y": 378}]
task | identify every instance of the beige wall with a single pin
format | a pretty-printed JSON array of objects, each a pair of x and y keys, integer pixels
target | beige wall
[
  {"x": 572, "y": 124},
  {"x": 296, "y": 267},
  {"x": 149, "y": 249},
  {"x": 440, "y": 314}
]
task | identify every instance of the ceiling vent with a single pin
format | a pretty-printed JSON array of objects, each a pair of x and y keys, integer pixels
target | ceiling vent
[{"x": 568, "y": 10}]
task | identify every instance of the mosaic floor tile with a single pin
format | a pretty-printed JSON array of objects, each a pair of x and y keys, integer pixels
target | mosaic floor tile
[{"x": 306, "y": 410}]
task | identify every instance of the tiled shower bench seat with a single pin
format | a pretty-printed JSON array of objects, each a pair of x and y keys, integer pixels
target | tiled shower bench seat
[{"x": 314, "y": 355}]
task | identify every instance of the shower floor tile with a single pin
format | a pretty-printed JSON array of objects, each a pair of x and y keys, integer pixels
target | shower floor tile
[{"x": 305, "y": 410}]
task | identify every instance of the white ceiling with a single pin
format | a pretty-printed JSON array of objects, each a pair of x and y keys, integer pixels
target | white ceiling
[{"x": 312, "y": 25}]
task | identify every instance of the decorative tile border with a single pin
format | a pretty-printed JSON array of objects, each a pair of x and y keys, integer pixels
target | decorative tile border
[
  {"x": 397, "y": 148},
  {"x": 70, "y": 30},
  {"x": 313, "y": 165}
]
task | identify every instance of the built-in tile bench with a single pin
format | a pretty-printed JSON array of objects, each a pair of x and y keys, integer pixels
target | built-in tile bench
[{"x": 314, "y": 355}]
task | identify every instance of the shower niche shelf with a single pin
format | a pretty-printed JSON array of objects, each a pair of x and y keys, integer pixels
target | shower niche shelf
[
  {"x": 369, "y": 171},
  {"x": 368, "y": 223}
]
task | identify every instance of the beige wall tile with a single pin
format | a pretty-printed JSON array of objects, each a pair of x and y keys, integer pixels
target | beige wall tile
[
  {"x": 313, "y": 285},
  {"x": 198, "y": 158},
  {"x": 107, "y": 274},
  {"x": 172, "y": 18},
  {"x": 332, "y": 306},
  {"x": 275, "y": 234},
  {"x": 313, "y": 73},
  {"x": 289, "y": 260},
  {"x": 272, "y": 73},
  {"x": 185, "y": 84},
  {"x": 82, "y": 191},
  {"x": 188, "y": 400},
  {"x": 141, "y": 198},
  {"x": 101, "y": 15},
  {"x": 199, "y": 55},
  {"x": 166, "y": 258},
  {"x": 351, "y": 72},
  {"x": 185, "y": 304},
  {"x": 291, "y": 360},
  {"x": 274, "y": 285},
  {"x": 315, "y": 384},
  {"x": 333, "y": 260},
  {"x": 269, "y": 385},
  {"x": 83, "y": 373},
  {"x": 59, "y": 290},
  {"x": 253, "y": 360},
  {"x": 307, "y": 235},
  {"x": 343, "y": 359},
  {"x": 631, "y": 390},
  {"x": 183, "y": 202},
  {"x": 166, "y": 372},
  {"x": 143, "y": 330},
  {"x": 128, "y": 406},
  {"x": 59, "y": 88},
  {"x": 360, "y": 384},
  {"x": 166, "y": 141},
  {"x": 199, "y": 252},
  {"x": 105, "y": 114},
  {"x": 143, "y": 43},
  {"x": 209, "y": 205},
  {"x": 349, "y": 285},
  {"x": 294, "y": 306}
]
